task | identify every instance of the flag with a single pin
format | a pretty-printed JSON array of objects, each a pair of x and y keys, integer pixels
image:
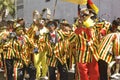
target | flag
[
  {"x": 91, "y": 5},
  {"x": 81, "y": 2}
]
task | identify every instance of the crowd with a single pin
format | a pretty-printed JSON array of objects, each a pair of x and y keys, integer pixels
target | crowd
[{"x": 50, "y": 46}]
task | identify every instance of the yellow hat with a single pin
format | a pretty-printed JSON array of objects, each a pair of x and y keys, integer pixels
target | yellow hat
[
  {"x": 65, "y": 22},
  {"x": 17, "y": 27}
]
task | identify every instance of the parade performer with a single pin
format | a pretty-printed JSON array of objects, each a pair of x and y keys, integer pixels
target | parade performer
[
  {"x": 86, "y": 43},
  {"x": 6, "y": 43},
  {"x": 33, "y": 26},
  {"x": 40, "y": 56},
  {"x": 103, "y": 28},
  {"x": 51, "y": 42},
  {"x": 3, "y": 30},
  {"x": 31, "y": 32},
  {"x": 57, "y": 58},
  {"x": 108, "y": 57},
  {"x": 22, "y": 47},
  {"x": 37, "y": 32},
  {"x": 65, "y": 31},
  {"x": 110, "y": 44}
]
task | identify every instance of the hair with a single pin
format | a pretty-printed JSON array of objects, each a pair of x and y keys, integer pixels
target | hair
[
  {"x": 51, "y": 23},
  {"x": 116, "y": 22}
]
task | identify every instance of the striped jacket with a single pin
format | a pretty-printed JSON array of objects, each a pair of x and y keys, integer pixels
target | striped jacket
[
  {"x": 22, "y": 49},
  {"x": 51, "y": 59},
  {"x": 40, "y": 42},
  {"x": 6, "y": 45},
  {"x": 8, "y": 50},
  {"x": 86, "y": 44},
  {"x": 31, "y": 31},
  {"x": 62, "y": 48},
  {"x": 109, "y": 47}
]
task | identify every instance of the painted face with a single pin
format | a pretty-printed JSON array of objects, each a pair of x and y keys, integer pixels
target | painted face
[{"x": 88, "y": 22}]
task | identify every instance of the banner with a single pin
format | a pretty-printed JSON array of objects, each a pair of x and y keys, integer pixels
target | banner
[{"x": 81, "y": 2}]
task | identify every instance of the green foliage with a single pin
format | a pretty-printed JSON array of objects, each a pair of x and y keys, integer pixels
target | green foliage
[{"x": 9, "y": 5}]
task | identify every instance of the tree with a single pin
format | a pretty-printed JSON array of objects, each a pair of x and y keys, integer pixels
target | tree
[{"x": 7, "y": 7}]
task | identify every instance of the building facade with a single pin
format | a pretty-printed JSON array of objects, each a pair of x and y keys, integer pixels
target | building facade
[{"x": 108, "y": 9}]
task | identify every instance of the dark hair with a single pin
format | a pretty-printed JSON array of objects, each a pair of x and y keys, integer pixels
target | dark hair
[
  {"x": 51, "y": 23},
  {"x": 10, "y": 22},
  {"x": 116, "y": 22}
]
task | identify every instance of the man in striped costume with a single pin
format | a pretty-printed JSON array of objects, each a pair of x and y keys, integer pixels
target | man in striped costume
[
  {"x": 22, "y": 47},
  {"x": 6, "y": 43},
  {"x": 108, "y": 48},
  {"x": 103, "y": 28},
  {"x": 52, "y": 39},
  {"x": 3, "y": 29},
  {"x": 86, "y": 52},
  {"x": 57, "y": 58}
]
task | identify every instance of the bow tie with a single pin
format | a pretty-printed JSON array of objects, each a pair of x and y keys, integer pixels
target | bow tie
[
  {"x": 52, "y": 35},
  {"x": 20, "y": 38}
]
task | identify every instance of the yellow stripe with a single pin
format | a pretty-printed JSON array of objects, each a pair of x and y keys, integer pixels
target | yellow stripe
[{"x": 82, "y": 2}]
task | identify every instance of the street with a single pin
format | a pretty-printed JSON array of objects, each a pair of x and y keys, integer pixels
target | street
[
  {"x": 2, "y": 76},
  {"x": 70, "y": 74}
]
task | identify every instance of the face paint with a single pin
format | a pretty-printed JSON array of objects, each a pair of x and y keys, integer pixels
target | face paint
[{"x": 88, "y": 22}]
